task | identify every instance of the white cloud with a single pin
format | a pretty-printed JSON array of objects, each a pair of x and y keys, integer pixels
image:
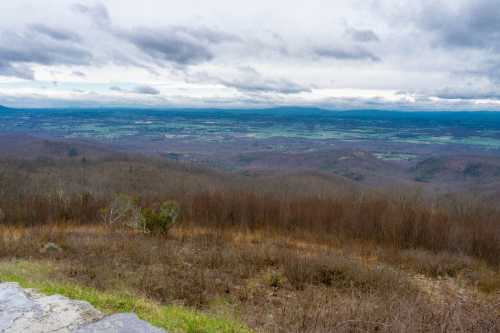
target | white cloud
[{"x": 221, "y": 52}]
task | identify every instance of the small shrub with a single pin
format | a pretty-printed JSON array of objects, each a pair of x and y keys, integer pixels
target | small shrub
[
  {"x": 275, "y": 280},
  {"x": 123, "y": 210},
  {"x": 159, "y": 220}
]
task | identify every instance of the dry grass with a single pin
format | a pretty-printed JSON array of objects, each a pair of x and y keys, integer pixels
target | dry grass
[
  {"x": 274, "y": 284},
  {"x": 281, "y": 258}
]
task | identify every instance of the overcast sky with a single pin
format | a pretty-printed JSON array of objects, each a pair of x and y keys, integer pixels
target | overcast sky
[{"x": 392, "y": 54}]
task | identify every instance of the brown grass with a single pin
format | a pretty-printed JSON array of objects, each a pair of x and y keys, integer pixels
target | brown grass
[
  {"x": 285, "y": 258},
  {"x": 274, "y": 283}
]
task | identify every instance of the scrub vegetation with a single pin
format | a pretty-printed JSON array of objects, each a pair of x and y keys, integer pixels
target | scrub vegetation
[{"x": 197, "y": 250}]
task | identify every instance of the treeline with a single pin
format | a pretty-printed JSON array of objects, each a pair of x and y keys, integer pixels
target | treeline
[{"x": 37, "y": 195}]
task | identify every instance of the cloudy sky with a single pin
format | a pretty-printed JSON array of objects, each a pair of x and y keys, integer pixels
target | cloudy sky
[{"x": 393, "y": 54}]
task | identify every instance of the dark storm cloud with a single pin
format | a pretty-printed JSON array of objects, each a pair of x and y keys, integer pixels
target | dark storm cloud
[
  {"x": 355, "y": 53},
  {"x": 54, "y": 33},
  {"x": 363, "y": 35},
  {"x": 146, "y": 90}
]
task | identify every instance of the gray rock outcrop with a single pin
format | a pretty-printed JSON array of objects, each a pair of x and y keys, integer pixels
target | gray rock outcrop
[
  {"x": 119, "y": 323},
  {"x": 28, "y": 311}
]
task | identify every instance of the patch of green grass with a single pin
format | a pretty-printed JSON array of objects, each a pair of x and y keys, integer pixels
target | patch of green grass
[
  {"x": 175, "y": 317},
  {"x": 171, "y": 317}
]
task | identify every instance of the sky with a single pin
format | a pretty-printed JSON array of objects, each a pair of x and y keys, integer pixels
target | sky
[{"x": 376, "y": 54}]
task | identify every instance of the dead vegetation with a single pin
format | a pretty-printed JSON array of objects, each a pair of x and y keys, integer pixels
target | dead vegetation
[
  {"x": 282, "y": 258},
  {"x": 272, "y": 283}
]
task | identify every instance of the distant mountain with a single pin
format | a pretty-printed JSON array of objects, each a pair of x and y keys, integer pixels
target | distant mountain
[
  {"x": 4, "y": 108},
  {"x": 457, "y": 168}
]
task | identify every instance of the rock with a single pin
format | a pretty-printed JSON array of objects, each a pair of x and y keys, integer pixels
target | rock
[
  {"x": 2, "y": 215},
  {"x": 14, "y": 302},
  {"x": 120, "y": 323},
  {"x": 51, "y": 248},
  {"x": 27, "y": 311},
  {"x": 22, "y": 311}
]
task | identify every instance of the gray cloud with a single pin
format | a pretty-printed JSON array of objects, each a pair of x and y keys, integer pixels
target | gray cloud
[
  {"x": 141, "y": 89},
  {"x": 354, "y": 53},
  {"x": 206, "y": 34},
  {"x": 250, "y": 80},
  {"x": 424, "y": 45},
  {"x": 281, "y": 86},
  {"x": 475, "y": 24},
  {"x": 20, "y": 71},
  {"x": 17, "y": 51},
  {"x": 493, "y": 71},
  {"x": 468, "y": 95},
  {"x": 79, "y": 74},
  {"x": 467, "y": 29},
  {"x": 54, "y": 33},
  {"x": 179, "y": 45},
  {"x": 18, "y": 48},
  {"x": 115, "y": 88},
  {"x": 363, "y": 35},
  {"x": 98, "y": 14},
  {"x": 146, "y": 90},
  {"x": 169, "y": 46}
]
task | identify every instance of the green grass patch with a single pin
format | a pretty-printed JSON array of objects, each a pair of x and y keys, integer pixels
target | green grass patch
[{"x": 173, "y": 318}]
